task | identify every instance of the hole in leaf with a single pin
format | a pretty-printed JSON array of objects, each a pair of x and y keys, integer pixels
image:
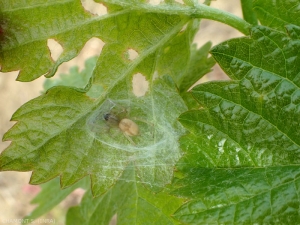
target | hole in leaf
[
  {"x": 55, "y": 49},
  {"x": 183, "y": 28},
  {"x": 94, "y": 8},
  {"x": 132, "y": 54},
  {"x": 113, "y": 220},
  {"x": 154, "y": 2},
  {"x": 155, "y": 75},
  {"x": 139, "y": 85},
  {"x": 91, "y": 48}
]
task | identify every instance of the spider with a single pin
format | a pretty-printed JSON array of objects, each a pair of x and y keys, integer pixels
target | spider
[{"x": 127, "y": 126}]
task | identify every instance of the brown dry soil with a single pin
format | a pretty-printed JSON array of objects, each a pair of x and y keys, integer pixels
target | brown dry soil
[{"x": 15, "y": 192}]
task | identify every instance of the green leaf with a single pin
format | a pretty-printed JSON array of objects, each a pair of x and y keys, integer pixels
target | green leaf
[
  {"x": 77, "y": 132},
  {"x": 267, "y": 195},
  {"x": 132, "y": 203},
  {"x": 25, "y": 37},
  {"x": 294, "y": 31},
  {"x": 71, "y": 139},
  {"x": 74, "y": 140},
  {"x": 51, "y": 195},
  {"x": 277, "y": 14},
  {"x": 180, "y": 46},
  {"x": 64, "y": 132},
  {"x": 75, "y": 78},
  {"x": 241, "y": 160},
  {"x": 20, "y": 43},
  {"x": 192, "y": 9},
  {"x": 79, "y": 80},
  {"x": 199, "y": 65},
  {"x": 248, "y": 13}
]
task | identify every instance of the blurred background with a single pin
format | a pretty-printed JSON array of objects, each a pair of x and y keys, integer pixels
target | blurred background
[{"x": 15, "y": 192}]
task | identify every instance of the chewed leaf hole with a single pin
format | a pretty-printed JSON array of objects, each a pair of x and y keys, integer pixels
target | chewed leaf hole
[
  {"x": 91, "y": 48},
  {"x": 94, "y": 8},
  {"x": 179, "y": 1},
  {"x": 113, "y": 220},
  {"x": 139, "y": 85},
  {"x": 183, "y": 28},
  {"x": 155, "y": 75},
  {"x": 155, "y": 2},
  {"x": 55, "y": 49},
  {"x": 132, "y": 54}
]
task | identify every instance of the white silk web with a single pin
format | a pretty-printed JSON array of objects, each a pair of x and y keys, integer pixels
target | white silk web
[{"x": 153, "y": 152}]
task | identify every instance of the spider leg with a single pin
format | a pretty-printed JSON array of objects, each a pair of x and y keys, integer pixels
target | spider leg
[{"x": 129, "y": 139}]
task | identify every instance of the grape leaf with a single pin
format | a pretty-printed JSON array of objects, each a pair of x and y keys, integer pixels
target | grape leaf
[
  {"x": 240, "y": 195},
  {"x": 74, "y": 78},
  {"x": 241, "y": 162},
  {"x": 25, "y": 37},
  {"x": 80, "y": 80},
  {"x": 60, "y": 133},
  {"x": 64, "y": 133},
  {"x": 132, "y": 203},
  {"x": 277, "y": 14},
  {"x": 248, "y": 13},
  {"x": 51, "y": 195},
  {"x": 199, "y": 65},
  {"x": 190, "y": 64},
  {"x": 69, "y": 24},
  {"x": 294, "y": 31}
]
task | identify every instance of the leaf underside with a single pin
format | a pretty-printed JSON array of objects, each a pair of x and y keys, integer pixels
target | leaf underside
[
  {"x": 64, "y": 132},
  {"x": 239, "y": 163}
]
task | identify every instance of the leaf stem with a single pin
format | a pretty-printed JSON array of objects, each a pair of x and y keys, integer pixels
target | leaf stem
[
  {"x": 207, "y": 12},
  {"x": 196, "y": 11}
]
